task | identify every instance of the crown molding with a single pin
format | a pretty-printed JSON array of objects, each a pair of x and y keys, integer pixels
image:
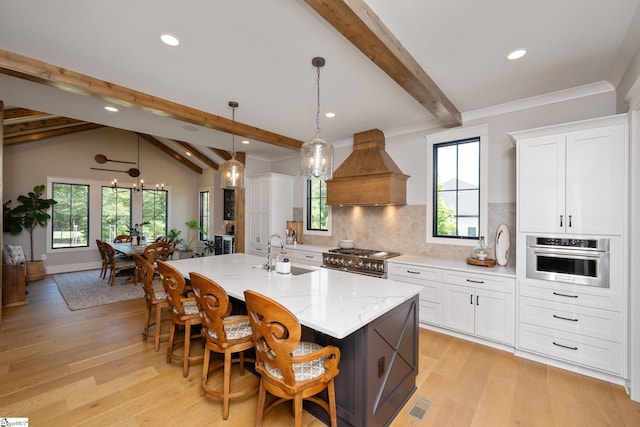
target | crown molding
[{"x": 539, "y": 100}]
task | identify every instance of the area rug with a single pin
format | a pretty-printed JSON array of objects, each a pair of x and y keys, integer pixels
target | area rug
[{"x": 84, "y": 289}]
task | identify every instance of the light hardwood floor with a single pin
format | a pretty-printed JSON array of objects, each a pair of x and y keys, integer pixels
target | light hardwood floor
[{"x": 91, "y": 367}]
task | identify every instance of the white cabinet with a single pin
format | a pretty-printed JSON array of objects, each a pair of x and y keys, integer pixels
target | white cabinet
[
  {"x": 270, "y": 205},
  {"x": 431, "y": 294},
  {"x": 571, "y": 180},
  {"x": 479, "y": 305},
  {"x": 308, "y": 257}
]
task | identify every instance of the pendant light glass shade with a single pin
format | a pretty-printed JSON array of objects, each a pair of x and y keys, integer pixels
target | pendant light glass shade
[
  {"x": 232, "y": 174},
  {"x": 316, "y": 159},
  {"x": 232, "y": 171},
  {"x": 316, "y": 156}
]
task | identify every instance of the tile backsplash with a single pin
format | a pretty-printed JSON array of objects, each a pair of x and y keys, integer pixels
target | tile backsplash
[{"x": 403, "y": 229}]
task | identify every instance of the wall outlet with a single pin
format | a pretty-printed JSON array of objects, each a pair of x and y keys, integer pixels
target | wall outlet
[{"x": 43, "y": 257}]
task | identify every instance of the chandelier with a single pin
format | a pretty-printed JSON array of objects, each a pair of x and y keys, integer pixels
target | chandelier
[
  {"x": 232, "y": 171},
  {"x": 135, "y": 173},
  {"x": 316, "y": 156}
]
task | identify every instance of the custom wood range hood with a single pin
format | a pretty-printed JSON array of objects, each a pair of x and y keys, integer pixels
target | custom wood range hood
[{"x": 368, "y": 177}]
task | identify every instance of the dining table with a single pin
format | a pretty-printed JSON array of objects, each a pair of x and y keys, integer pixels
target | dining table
[{"x": 129, "y": 250}]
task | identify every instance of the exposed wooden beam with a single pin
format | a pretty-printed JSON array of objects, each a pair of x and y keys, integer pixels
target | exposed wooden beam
[
  {"x": 30, "y": 69},
  {"x": 179, "y": 157},
  {"x": 18, "y": 113},
  {"x": 197, "y": 154},
  {"x": 225, "y": 155},
  {"x": 35, "y": 125},
  {"x": 37, "y": 136},
  {"x": 362, "y": 27}
]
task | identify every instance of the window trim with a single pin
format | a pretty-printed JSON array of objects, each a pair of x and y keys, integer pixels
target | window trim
[
  {"x": 458, "y": 134},
  {"x": 305, "y": 208},
  {"x": 210, "y": 210},
  {"x": 50, "y": 229}
]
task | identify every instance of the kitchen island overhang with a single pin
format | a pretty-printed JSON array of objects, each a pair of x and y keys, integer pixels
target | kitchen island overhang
[{"x": 373, "y": 321}]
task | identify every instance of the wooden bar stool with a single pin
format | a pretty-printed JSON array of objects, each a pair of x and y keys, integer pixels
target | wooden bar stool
[
  {"x": 184, "y": 312},
  {"x": 224, "y": 333},
  {"x": 290, "y": 369},
  {"x": 155, "y": 297}
]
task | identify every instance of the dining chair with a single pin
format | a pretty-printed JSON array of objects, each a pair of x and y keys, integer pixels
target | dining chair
[
  {"x": 184, "y": 313},
  {"x": 155, "y": 297},
  {"x": 290, "y": 369},
  {"x": 103, "y": 256},
  {"x": 224, "y": 333},
  {"x": 123, "y": 238},
  {"x": 116, "y": 264}
]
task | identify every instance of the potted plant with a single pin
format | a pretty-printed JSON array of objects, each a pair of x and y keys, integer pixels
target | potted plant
[
  {"x": 29, "y": 214},
  {"x": 137, "y": 231}
]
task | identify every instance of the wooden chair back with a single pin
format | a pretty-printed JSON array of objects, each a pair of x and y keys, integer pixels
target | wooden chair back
[
  {"x": 174, "y": 285},
  {"x": 157, "y": 251},
  {"x": 145, "y": 275},
  {"x": 276, "y": 333},
  {"x": 213, "y": 303},
  {"x": 123, "y": 238}
]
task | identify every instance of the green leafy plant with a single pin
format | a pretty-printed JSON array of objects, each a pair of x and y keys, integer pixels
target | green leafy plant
[
  {"x": 137, "y": 229},
  {"x": 193, "y": 230},
  {"x": 29, "y": 214}
]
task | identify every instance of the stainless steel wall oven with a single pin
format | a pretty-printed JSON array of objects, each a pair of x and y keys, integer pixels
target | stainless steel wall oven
[{"x": 577, "y": 261}]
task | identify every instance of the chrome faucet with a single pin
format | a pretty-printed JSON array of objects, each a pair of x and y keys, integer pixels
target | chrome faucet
[{"x": 268, "y": 264}]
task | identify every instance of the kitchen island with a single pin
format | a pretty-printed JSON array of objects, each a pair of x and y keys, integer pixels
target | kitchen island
[{"x": 373, "y": 321}]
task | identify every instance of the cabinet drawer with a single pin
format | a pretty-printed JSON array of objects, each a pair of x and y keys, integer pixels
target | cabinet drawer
[
  {"x": 431, "y": 291},
  {"x": 430, "y": 312},
  {"x": 481, "y": 281},
  {"x": 571, "y": 318},
  {"x": 283, "y": 253},
  {"x": 577, "y": 349},
  {"x": 309, "y": 258},
  {"x": 414, "y": 273},
  {"x": 572, "y": 294},
  {"x": 258, "y": 250}
]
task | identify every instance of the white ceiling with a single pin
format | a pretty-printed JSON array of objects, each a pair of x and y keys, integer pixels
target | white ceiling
[{"x": 259, "y": 53}]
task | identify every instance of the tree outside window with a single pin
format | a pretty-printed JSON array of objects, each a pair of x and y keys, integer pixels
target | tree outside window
[
  {"x": 154, "y": 213},
  {"x": 70, "y": 216},
  {"x": 116, "y": 212}
]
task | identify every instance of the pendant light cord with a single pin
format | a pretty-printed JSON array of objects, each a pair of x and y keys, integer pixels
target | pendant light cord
[
  {"x": 318, "y": 104},
  {"x": 233, "y": 132}
]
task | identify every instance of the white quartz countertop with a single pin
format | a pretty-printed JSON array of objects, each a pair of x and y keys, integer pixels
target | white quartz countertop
[
  {"x": 506, "y": 271},
  {"x": 333, "y": 302}
]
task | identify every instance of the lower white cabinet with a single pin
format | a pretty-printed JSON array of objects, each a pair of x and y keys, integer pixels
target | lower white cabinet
[
  {"x": 308, "y": 258},
  {"x": 431, "y": 294},
  {"x": 476, "y": 304},
  {"x": 483, "y": 313}
]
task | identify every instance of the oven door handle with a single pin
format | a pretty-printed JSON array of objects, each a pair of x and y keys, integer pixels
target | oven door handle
[{"x": 568, "y": 254}]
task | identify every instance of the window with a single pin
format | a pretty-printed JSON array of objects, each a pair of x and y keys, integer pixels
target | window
[
  {"x": 116, "y": 212},
  {"x": 204, "y": 214},
  {"x": 70, "y": 216},
  {"x": 154, "y": 212},
  {"x": 457, "y": 206},
  {"x": 456, "y": 172},
  {"x": 317, "y": 211}
]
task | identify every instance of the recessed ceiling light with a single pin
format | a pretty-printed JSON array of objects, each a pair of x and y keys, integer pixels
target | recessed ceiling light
[
  {"x": 246, "y": 141},
  {"x": 110, "y": 108},
  {"x": 188, "y": 153},
  {"x": 330, "y": 115},
  {"x": 169, "y": 39},
  {"x": 516, "y": 54}
]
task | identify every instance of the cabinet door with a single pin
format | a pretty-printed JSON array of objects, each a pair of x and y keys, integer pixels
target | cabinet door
[
  {"x": 594, "y": 181},
  {"x": 458, "y": 308},
  {"x": 541, "y": 184},
  {"x": 494, "y": 316}
]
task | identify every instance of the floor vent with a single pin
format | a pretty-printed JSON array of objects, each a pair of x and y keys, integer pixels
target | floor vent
[{"x": 420, "y": 408}]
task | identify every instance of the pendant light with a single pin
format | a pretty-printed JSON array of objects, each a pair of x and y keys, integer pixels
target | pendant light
[
  {"x": 316, "y": 156},
  {"x": 232, "y": 171}
]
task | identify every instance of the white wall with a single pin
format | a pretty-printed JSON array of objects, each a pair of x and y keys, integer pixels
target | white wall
[{"x": 29, "y": 164}]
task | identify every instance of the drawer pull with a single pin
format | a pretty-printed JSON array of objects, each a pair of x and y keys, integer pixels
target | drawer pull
[
  {"x": 308, "y": 256},
  {"x": 565, "y": 295},
  {"x": 565, "y": 346},
  {"x": 475, "y": 281},
  {"x": 413, "y": 272},
  {"x": 565, "y": 318},
  {"x": 471, "y": 300}
]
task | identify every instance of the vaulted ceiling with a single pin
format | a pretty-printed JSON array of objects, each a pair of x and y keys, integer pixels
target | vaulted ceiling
[{"x": 395, "y": 66}]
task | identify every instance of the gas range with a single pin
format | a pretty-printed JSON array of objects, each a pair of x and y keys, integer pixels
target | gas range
[{"x": 361, "y": 261}]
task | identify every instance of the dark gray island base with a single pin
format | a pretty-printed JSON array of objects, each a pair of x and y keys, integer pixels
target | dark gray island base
[{"x": 378, "y": 368}]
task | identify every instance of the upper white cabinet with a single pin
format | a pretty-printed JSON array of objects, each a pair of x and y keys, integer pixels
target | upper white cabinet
[
  {"x": 270, "y": 206},
  {"x": 571, "y": 177}
]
